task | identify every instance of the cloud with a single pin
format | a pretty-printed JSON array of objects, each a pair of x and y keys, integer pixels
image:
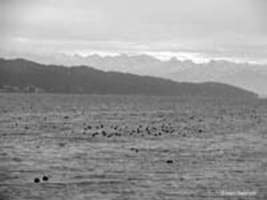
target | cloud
[{"x": 226, "y": 28}]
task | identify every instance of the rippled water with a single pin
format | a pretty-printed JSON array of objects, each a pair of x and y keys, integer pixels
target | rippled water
[{"x": 42, "y": 134}]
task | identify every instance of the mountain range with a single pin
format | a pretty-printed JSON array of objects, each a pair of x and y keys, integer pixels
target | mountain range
[
  {"x": 251, "y": 77},
  {"x": 25, "y": 75}
]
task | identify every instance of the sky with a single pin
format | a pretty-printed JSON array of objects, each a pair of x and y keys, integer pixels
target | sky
[{"x": 198, "y": 30}]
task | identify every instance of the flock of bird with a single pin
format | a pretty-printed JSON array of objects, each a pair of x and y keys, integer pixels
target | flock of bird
[
  {"x": 101, "y": 130},
  {"x": 138, "y": 131},
  {"x": 108, "y": 131}
]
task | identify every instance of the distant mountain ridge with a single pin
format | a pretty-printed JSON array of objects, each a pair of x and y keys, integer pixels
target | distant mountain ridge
[
  {"x": 252, "y": 77},
  {"x": 21, "y": 74}
]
